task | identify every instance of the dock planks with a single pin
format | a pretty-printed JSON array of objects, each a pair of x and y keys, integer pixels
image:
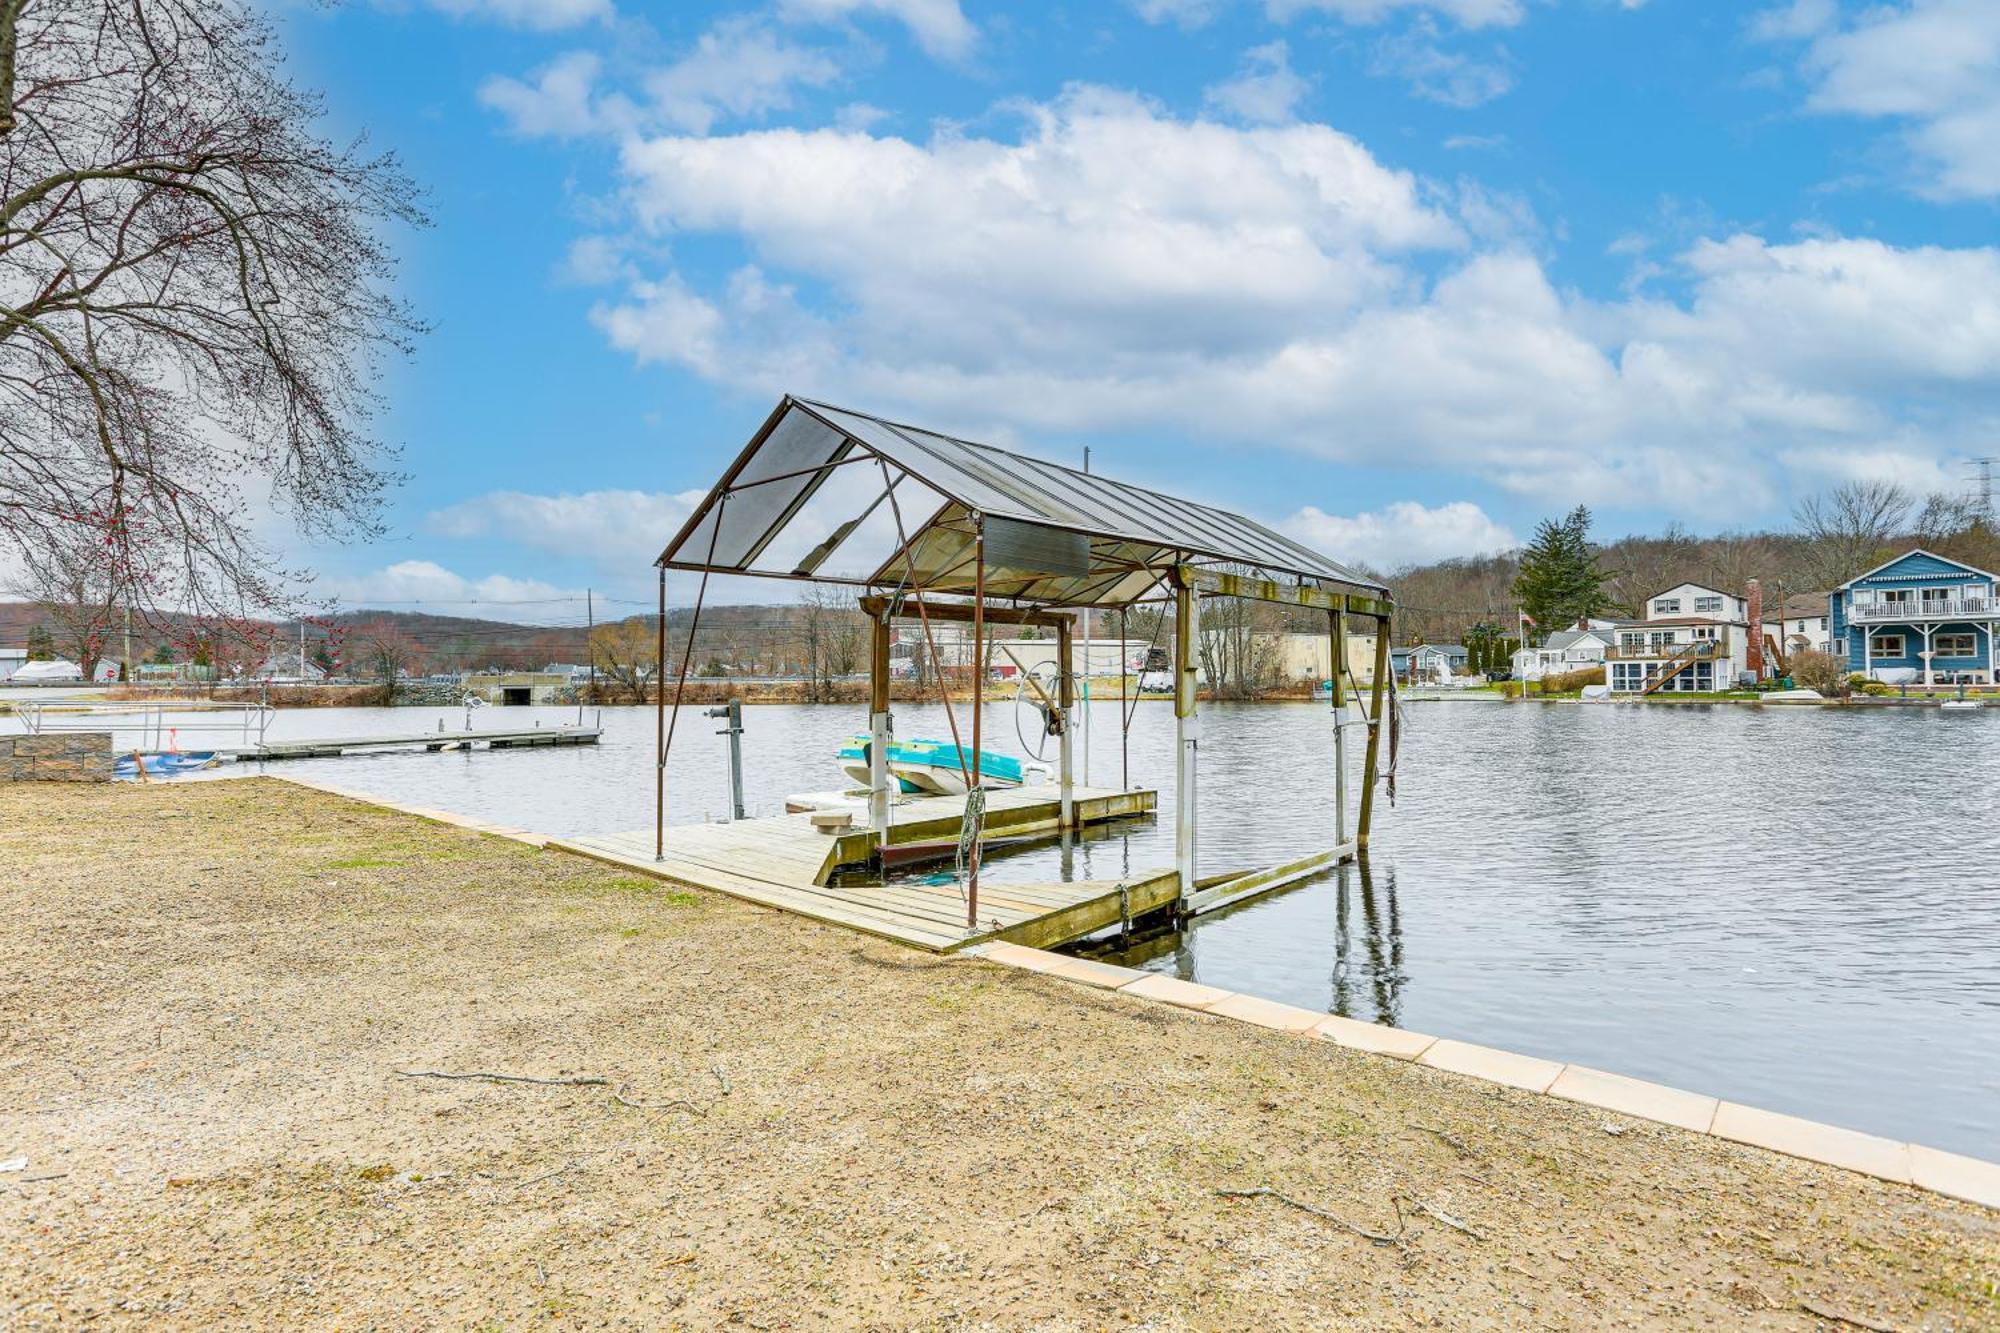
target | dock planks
[{"x": 784, "y": 862}]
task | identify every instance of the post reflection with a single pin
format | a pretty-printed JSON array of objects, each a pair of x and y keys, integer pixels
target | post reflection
[{"x": 1382, "y": 976}]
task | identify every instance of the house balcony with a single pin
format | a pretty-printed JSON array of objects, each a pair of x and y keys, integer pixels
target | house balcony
[
  {"x": 1700, "y": 650},
  {"x": 1922, "y": 612}
]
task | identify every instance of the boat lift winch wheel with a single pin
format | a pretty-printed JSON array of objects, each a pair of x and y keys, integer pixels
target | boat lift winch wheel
[{"x": 1033, "y": 695}]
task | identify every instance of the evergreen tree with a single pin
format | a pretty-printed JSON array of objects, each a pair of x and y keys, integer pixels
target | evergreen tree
[
  {"x": 41, "y": 644},
  {"x": 1559, "y": 581}
]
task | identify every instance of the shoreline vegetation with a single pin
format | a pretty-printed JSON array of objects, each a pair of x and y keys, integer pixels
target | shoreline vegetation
[{"x": 314, "y": 1061}]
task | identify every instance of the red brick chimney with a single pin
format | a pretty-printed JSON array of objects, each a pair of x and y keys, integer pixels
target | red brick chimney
[{"x": 1754, "y": 594}]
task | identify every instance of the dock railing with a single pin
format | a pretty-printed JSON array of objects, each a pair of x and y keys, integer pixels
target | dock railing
[{"x": 157, "y": 725}]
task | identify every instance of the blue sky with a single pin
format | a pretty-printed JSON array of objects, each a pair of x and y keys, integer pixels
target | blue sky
[{"x": 1399, "y": 275}]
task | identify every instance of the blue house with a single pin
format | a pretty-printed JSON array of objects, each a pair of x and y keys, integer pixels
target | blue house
[{"x": 1919, "y": 619}]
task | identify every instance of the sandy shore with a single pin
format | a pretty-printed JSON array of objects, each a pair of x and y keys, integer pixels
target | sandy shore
[{"x": 210, "y": 990}]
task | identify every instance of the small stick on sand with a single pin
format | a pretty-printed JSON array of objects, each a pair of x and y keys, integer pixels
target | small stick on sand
[
  {"x": 1841, "y": 1317},
  {"x": 1438, "y": 1214},
  {"x": 585, "y": 1082},
  {"x": 1265, "y": 1192}
]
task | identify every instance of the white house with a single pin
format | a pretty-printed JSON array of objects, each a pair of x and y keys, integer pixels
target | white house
[
  {"x": 1565, "y": 650},
  {"x": 1804, "y": 622},
  {"x": 1692, "y": 639},
  {"x": 12, "y": 660}
]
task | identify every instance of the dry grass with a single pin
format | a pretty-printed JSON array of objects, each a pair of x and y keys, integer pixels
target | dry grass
[{"x": 210, "y": 988}]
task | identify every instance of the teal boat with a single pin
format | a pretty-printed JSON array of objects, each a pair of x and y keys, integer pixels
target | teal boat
[{"x": 938, "y": 768}]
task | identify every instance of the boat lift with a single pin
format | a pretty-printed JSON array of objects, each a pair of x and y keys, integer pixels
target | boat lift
[{"x": 934, "y": 528}]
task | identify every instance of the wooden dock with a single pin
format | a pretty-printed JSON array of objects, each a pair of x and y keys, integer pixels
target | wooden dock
[
  {"x": 784, "y": 862},
  {"x": 327, "y": 746}
]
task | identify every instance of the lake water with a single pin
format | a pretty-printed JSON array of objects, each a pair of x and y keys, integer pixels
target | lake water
[{"x": 1793, "y": 908}]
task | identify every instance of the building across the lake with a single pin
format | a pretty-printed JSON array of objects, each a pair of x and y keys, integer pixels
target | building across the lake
[
  {"x": 1919, "y": 618},
  {"x": 1804, "y": 622},
  {"x": 1429, "y": 663},
  {"x": 1691, "y": 639},
  {"x": 1576, "y": 649}
]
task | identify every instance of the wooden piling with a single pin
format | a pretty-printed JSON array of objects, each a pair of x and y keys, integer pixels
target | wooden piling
[
  {"x": 1369, "y": 765},
  {"x": 1187, "y": 724}
]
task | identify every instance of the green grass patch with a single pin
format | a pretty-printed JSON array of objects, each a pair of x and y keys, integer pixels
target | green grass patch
[
  {"x": 652, "y": 888},
  {"x": 360, "y": 862}
]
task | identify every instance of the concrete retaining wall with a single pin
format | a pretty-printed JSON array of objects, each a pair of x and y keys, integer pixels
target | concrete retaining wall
[{"x": 81, "y": 756}]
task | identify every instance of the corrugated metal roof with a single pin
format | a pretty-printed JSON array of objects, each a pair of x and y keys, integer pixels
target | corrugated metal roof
[{"x": 1123, "y": 521}]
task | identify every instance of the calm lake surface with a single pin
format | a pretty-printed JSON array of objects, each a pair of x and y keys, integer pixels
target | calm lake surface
[{"x": 1793, "y": 908}]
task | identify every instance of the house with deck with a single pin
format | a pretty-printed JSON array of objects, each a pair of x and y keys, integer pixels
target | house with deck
[
  {"x": 1690, "y": 639},
  {"x": 1430, "y": 663},
  {"x": 1918, "y": 619}
]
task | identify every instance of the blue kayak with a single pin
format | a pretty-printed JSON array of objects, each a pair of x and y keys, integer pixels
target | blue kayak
[{"x": 164, "y": 765}]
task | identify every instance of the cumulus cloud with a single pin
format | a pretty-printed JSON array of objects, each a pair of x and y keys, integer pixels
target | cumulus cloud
[
  {"x": 1114, "y": 268},
  {"x": 556, "y": 104},
  {"x": 541, "y": 15},
  {"x": 740, "y": 67},
  {"x": 1466, "y": 13},
  {"x": 1932, "y": 64},
  {"x": 1401, "y": 534},
  {"x": 939, "y": 26},
  {"x": 617, "y": 529},
  {"x": 1185, "y": 14},
  {"x": 1265, "y": 91},
  {"x": 1436, "y": 73},
  {"x": 424, "y": 585}
]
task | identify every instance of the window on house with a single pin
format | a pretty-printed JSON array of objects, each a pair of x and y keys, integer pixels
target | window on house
[
  {"x": 1956, "y": 645},
  {"x": 1895, "y": 597},
  {"x": 1704, "y": 631},
  {"x": 1822, "y": 622},
  {"x": 1888, "y": 645},
  {"x": 1631, "y": 643},
  {"x": 1707, "y": 605},
  {"x": 1666, "y": 606},
  {"x": 1936, "y": 596}
]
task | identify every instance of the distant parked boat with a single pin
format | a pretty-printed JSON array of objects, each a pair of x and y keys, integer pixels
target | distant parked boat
[
  {"x": 1962, "y": 705},
  {"x": 1795, "y": 697}
]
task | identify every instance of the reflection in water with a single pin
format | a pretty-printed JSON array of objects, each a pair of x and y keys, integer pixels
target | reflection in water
[{"x": 1382, "y": 945}]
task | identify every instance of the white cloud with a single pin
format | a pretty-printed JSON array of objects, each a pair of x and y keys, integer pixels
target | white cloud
[
  {"x": 542, "y": 15},
  {"x": 1450, "y": 78},
  {"x": 1460, "y": 142},
  {"x": 1466, "y": 13},
  {"x": 1265, "y": 91},
  {"x": 424, "y": 585},
  {"x": 939, "y": 26},
  {"x": 617, "y": 529},
  {"x": 739, "y": 67},
  {"x": 1400, "y": 534},
  {"x": 557, "y": 104},
  {"x": 1185, "y": 14},
  {"x": 1117, "y": 269},
  {"x": 1933, "y": 64}
]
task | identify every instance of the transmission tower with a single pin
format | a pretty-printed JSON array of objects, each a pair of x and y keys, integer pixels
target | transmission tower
[{"x": 1982, "y": 486}]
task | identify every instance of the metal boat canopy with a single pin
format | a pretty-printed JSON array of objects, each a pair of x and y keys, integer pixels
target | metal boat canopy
[{"x": 831, "y": 495}]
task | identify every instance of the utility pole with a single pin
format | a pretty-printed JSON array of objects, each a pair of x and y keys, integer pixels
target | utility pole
[
  {"x": 1983, "y": 486},
  {"x": 589, "y": 646},
  {"x": 126, "y": 673}
]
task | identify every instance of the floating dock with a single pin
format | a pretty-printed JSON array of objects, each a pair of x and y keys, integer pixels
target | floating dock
[
  {"x": 784, "y": 862},
  {"x": 323, "y": 747}
]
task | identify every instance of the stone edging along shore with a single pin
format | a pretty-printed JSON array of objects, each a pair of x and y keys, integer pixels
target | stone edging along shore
[{"x": 1940, "y": 1172}]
